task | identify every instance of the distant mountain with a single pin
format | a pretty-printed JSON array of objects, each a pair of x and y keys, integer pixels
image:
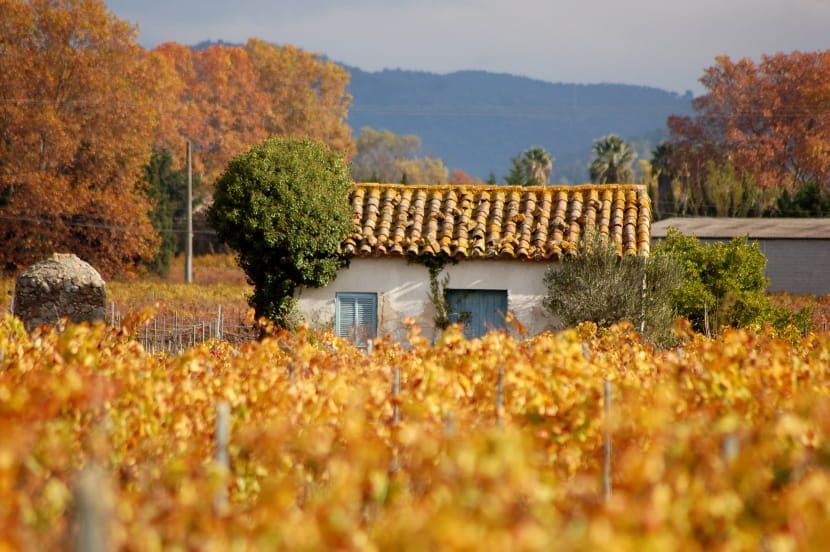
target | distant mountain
[
  {"x": 478, "y": 121},
  {"x": 205, "y": 44}
]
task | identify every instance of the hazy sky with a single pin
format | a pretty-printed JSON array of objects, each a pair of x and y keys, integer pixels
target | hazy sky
[{"x": 664, "y": 43}]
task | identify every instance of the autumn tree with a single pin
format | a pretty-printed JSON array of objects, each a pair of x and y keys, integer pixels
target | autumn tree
[
  {"x": 385, "y": 156},
  {"x": 730, "y": 193},
  {"x": 379, "y": 152},
  {"x": 424, "y": 170},
  {"x": 459, "y": 177},
  {"x": 306, "y": 94},
  {"x": 769, "y": 119},
  {"x": 77, "y": 117},
  {"x": 220, "y": 106},
  {"x": 228, "y": 98}
]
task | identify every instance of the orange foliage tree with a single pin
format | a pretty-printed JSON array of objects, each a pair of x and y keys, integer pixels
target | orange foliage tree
[
  {"x": 306, "y": 94},
  {"x": 82, "y": 105},
  {"x": 77, "y": 118},
  {"x": 220, "y": 107},
  {"x": 769, "y": 119},
  {"x": 459, "y": 177},
  {"x": 229, "y": 98}
]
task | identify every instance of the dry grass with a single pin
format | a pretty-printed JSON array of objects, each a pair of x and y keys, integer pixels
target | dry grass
[
  {"x": 195, "y": 301},
  {"x": 208, "y": 269},
  {"x": 217, "y": 280},
  {"x": 6, "y": 292}
]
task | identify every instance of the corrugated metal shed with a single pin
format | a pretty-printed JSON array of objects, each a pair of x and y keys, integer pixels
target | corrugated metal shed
[
  {"x": 757, "y": 228},
  {"x": 797, "y": 249}
]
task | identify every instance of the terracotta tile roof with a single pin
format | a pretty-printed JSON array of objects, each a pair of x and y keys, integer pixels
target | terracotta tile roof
[{"x": 532, "y": 223}]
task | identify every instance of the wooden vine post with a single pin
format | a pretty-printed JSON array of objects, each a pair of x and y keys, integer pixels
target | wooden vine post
[
  {"x": 90, "y": 511},
  {"x": 396, "y": 391},
  {"x": 218, "y": 333},
  {"x": 394, "y": 464},
  {"x": 606, "y": 441},
  {"x": 499, "y": 395},
  {"x": 730, "y": 447},
  {"x": 223, "y": 436}
]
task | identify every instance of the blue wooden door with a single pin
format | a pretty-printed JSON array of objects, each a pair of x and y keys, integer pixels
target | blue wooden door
[{"x": 479, "y": 310}]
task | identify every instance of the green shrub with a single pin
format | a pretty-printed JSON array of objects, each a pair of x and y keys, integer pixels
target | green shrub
[
  {"x": 724, "y": 284},
  {"x": 167, "y": 189},
  {"x": 598, "y": 285},
  {"x": 809, "y": 200},
  {"x": 283, "y": 206}
]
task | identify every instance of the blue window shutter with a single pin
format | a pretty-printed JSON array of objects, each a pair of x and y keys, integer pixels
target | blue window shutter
[
  {"x": 366, "y": 319},
  {"x": 356, "y": 317},
  {"x": 345, "y": 317}
]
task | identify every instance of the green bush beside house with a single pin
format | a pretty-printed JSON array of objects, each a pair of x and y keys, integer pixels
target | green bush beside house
[
  {"x": 711, "y": 284},
  {"x": 724, "y": 285},
  {"x": 283, "y": 207}
]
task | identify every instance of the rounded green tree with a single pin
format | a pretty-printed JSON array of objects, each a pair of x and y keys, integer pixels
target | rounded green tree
[{"x": 283, "y": 206}]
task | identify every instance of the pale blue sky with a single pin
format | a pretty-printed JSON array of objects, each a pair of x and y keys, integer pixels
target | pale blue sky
[{"x": 664, "y": 43}]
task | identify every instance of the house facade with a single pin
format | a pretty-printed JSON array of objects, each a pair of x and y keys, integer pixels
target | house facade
[
  {"x": 797, "y": 249},
  {"x": 489, "y": 248}
]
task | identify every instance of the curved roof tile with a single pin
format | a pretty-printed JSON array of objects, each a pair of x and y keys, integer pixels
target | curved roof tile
[{"x": 530, "y": 223}]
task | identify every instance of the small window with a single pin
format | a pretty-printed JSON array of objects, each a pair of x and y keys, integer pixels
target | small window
[{"x": 356, "y": 317}]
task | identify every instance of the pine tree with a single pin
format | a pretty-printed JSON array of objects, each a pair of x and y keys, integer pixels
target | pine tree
[{"x": 518, "y": 174}]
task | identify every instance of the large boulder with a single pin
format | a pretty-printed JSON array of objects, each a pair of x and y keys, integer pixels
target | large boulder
[{"x": 62, "y": 286}]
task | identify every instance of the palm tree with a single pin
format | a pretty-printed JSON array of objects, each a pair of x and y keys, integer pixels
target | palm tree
[
  {"x": 613, "y": 157},
  {"x": 538, "y": 165}
]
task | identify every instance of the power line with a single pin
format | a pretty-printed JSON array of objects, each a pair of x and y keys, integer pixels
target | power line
[
  {"x": 101, "y": 226},
  {"x": 484, "y": 109},
  {"x": 62, "y": 102},
  {"x": 545, "y": 111}
]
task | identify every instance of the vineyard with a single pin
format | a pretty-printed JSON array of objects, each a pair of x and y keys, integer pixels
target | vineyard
[{"x": 299, "y": 441}]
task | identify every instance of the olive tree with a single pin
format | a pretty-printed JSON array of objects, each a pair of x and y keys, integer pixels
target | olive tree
[{"x": 600, "y": 286}]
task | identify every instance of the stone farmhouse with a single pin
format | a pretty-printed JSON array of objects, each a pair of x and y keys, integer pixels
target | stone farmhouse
[{"x": 489, "y": 247}]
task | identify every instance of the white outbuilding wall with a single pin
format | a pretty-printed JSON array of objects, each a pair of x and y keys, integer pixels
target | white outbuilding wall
[{"x": 403, "y": 291}]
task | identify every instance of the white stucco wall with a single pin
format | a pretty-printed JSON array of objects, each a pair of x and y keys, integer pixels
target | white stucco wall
[{"x": 403, "y": 287}]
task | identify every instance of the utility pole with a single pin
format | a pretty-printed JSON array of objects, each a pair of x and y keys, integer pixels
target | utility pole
[{"x": 188, "y": 259}]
